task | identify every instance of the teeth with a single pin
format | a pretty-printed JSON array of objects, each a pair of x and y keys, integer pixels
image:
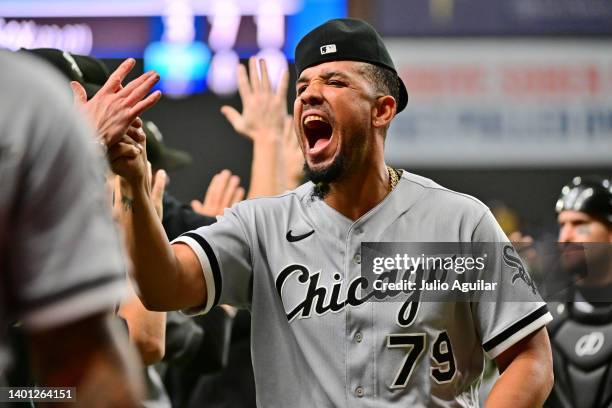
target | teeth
[{"x": 311, "y": 118}]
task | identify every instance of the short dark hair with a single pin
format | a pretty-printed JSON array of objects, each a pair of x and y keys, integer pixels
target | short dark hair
[{"x": 384, "y": 80}]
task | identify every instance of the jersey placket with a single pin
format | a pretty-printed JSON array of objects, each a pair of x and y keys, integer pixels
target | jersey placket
[{"x": 360, "y": 333}]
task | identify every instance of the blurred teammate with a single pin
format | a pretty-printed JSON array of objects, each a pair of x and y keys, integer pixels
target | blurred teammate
[
  {"x": 581, "y": 333},
  {"x": 63, "y": 271}
]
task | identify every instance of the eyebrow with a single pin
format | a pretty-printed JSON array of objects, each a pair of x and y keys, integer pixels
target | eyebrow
[{"x": 325, "y": 75}]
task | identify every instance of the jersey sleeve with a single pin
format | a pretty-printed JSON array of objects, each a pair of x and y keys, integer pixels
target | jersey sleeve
[
  {"x": 514, "y": 309},
  {"x": 65, "y": 256},
  {"x": 224, "y": 253}
]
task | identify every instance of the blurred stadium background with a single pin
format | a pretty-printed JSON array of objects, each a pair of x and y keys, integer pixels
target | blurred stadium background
[{"x": 508, "y": 98}]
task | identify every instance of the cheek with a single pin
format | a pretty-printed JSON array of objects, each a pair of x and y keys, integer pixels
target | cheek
[
  {"x": 584, "y": 230},
  {"x": 592, "y": 233}
]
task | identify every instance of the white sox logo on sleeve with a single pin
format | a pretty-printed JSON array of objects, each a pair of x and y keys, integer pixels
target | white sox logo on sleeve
[{"x": 512, "y": 259}]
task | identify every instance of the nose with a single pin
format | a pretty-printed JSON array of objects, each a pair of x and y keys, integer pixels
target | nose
[
  {"x": 312, "y": 94},
  {"x": 566, "y": 234}
]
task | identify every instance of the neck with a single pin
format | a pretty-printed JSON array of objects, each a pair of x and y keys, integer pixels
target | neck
[{"x": 359, "y": 191}]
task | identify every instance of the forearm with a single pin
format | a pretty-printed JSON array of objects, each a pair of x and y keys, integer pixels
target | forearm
[
  {"x": 266, "y": 177},
  {"x": 525, "y": 383},
  {"x": 155, "y": 267},
  {"x": 92, "y": 356},
  {"x": 147, "y": 329}
]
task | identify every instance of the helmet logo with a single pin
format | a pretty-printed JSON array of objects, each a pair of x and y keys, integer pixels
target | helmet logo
[{"x": 589, "y": 344}]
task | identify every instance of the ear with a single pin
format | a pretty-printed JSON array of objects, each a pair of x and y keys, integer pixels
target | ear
[{"x": 384, "y": 111}]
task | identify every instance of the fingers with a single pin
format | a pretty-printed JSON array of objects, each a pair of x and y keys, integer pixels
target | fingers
[
  {"x": 123, "y": 150},
  {"x": 116, "y": 78},
  {"x": 137, "y": 123},
  {"x": 283, "y": 85},
  {"x": 244, "y": 88},
  {"x": 196, "y": 206},
  {"x": 224, "y": 191},
  {"x": 265, "y": 77},
  {"x": 288, "y": 133},
  {"x": 145, "y": 104},
  {"x": 253, "y": 75},
  {"x": 149, "y": 174},
  {"x": 159, "y": 185},
  {"x": 135, "y": 83},
  {"x": 233, "y": 117},
  {"x": 143, "y": 86},
  {"x": 79, "y": 95},
  {"x": 215, "y": 191},
  {"x": 136, "y": 134},
  {"x": 238, "y": 196},
  {"x": 230, "y": 190}
]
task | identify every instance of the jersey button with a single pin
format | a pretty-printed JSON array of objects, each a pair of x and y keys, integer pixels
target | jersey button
[
  {"x": 358, "y": 337},
  {"x": 359, "y": 391},
  {"x": 357, "y": 259}
]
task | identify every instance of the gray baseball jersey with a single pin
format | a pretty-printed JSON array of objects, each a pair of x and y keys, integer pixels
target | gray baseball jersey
[
  {"x": 295, "y": 261},
  {"x": 59, "y": 249}
]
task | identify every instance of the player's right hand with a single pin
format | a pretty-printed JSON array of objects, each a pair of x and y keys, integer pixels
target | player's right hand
[{"x": 127, "y": 159}]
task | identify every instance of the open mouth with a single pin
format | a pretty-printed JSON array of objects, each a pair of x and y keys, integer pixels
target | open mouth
[{"x": 318, "y": 131}]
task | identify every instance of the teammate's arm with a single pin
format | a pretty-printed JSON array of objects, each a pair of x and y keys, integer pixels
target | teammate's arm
[
  {"x": 526, "y": 373},
  {"x": 168, "y": 277},
  {"x": 88, "y": 354}
]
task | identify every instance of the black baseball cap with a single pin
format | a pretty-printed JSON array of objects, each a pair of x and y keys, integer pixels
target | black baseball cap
[
  {"x": 160, "y": 155},
  {"x": 61, "y": 60},
  {"x": 95, "y": 73},
  {"x": 88, "y": 71},
  {"x": 346, "y": 39}
]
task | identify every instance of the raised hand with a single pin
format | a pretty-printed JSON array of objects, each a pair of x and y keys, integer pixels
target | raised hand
[
  {"x": 292, "y": 156},
  {"x": 263, "y": 110},
  {"x": 223, "y": 191},
  {"x": 114, "y": 107}
]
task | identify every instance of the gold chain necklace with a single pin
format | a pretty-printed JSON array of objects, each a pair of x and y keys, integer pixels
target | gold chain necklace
[{"x": 393, "y": 178}]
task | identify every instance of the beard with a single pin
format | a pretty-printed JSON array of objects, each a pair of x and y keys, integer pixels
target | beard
[{"x": 322, "y": 178}]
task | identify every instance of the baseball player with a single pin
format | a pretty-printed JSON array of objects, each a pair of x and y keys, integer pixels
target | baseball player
[
  {"x": 63, "y": 268},
  {"x": 294, "y": 260},
  {"x": 582, "y": 328}
]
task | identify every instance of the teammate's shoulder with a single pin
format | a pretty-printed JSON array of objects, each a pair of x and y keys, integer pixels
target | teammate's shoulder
[
  {"x": 34, "y": 94},
  {"x": 433, "y": 193}
]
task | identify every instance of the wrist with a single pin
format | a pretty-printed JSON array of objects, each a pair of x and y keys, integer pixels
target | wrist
[
  {"x": 266, "y": 138},
  {"x": 134, "y": 185}
]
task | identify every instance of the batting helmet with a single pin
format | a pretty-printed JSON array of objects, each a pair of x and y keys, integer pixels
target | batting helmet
[{"x": 591, "y": 195}]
